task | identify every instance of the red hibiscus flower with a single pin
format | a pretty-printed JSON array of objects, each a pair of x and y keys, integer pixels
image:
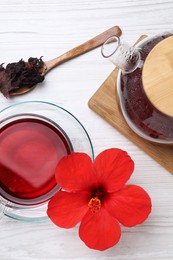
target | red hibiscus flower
[{"x": 95, "y": 194}]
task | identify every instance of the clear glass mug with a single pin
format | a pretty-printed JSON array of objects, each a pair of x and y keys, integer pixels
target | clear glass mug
[{"x": 65, "y": 128}]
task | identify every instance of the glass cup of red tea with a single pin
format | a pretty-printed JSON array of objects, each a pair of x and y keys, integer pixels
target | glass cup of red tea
[{"x": 34, "y": 136}]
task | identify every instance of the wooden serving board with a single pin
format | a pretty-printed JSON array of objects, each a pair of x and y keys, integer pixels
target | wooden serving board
[{"x": 103, "y": 102}]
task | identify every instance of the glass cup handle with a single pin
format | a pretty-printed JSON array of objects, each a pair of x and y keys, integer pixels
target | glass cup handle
[{"x": 4, "y": 206}]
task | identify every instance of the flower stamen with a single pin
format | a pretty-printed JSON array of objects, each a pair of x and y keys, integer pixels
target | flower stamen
[{"x": 94, "y": 204}]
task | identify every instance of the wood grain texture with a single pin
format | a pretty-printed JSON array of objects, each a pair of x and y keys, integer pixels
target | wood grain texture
[
  {"x": 157, "y": 76},
  {"x": 49, "y": 28},
  {"x": 83, "y": 48}
]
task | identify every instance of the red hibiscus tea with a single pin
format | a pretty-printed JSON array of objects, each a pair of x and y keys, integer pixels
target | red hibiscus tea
[
  {"x": 141, "y": 112},
  {"x": 30, "y": 149}
]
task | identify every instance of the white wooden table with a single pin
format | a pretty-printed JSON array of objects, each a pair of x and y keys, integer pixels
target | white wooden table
[{"x": 49, "y": 28}]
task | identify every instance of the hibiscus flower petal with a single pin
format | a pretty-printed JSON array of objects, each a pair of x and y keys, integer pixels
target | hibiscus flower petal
[
  {"x": 66, "y": 209},
  {"x": 99, "y": 230},
  {"x": 113, "y": 168},
  {"x": 130, "y": 206},
  {"x": 74, "y": 172}
]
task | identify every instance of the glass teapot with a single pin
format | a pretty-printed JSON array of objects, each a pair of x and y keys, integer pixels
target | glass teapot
[{"x": 145, "y": 85}]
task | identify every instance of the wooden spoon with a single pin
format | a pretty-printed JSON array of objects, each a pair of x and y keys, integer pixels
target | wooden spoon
[{"x": 81, "y": 49}]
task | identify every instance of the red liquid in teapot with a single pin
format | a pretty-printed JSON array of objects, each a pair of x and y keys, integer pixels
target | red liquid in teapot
[
  {"x": 141, "y": 112},
  {"x": 29, "y": 152}
]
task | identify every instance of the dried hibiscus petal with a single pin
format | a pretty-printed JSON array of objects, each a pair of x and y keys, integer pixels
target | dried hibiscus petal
[{"x": 21, "y": 74}]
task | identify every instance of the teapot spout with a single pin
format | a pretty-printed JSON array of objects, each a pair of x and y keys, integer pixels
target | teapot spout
[{"x": 121, "y": 55}]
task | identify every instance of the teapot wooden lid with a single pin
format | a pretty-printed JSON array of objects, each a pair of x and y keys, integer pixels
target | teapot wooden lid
[{"x": 157, "y": 76}]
